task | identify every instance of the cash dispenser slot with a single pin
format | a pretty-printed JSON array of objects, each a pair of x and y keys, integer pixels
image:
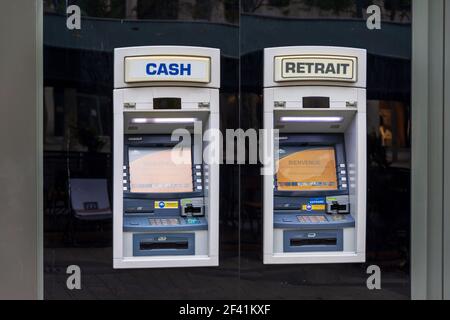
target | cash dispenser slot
[
  {"x": 313, "y": 241},
  {"x": 167, "y": 245},
  {"x": 163, "y": 244}
]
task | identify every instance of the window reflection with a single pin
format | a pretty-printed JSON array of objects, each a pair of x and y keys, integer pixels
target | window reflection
[
  {"x": 78, "y": 131},
  {"x": 392, "y": 10},
  {"x": 78, "y": 121},
  {"x": 224, "y": 11},
  {"x": 276, "y": 23}
]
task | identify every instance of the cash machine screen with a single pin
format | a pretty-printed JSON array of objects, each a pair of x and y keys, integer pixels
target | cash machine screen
[
  {"x": 160, "y": 170},
  {"x": 307, "y": 169}
]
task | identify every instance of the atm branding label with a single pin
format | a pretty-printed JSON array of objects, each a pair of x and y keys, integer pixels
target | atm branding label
[
  {"x": 166, "y": 204},
  {"x": 167, "y": 69},
  {"x": 315, "y": 207},
  {"x": 316, "y": 68}
]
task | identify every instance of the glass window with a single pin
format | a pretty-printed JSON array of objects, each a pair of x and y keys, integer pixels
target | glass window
[{"x": 78, "y": 144}]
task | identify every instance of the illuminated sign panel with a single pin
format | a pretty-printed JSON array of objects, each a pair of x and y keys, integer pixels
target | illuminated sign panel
[
  {"x": 168, "y": 69},
  {"x": 316, "y": 68}
]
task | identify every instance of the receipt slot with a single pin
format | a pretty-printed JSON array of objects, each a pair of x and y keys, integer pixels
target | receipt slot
[
  {"x": 315, "y": 200},
  {"x": 166, "y": 183}
]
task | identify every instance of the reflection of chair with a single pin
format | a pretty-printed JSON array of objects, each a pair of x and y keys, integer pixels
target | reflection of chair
[{"x": 89, "y": 202}]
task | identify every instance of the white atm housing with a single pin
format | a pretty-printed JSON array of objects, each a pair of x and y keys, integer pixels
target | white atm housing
[
  {"x": 159, "y": 89},
  {"x": 316, "y": 98}
]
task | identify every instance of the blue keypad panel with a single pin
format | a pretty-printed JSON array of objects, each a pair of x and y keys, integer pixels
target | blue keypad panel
[
  {"x": 310, "y": 221},
  {"x": 165, "y": 223}
]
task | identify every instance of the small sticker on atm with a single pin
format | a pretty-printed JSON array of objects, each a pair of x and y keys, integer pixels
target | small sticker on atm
[
  {"x": 166, "y": 204},
  {"x": 317, "y": 201},
  {"x": 309, "y": 207}
]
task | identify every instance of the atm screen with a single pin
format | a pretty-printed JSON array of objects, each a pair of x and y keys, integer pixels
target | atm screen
[
  {"x": 307, "y": 169},
  {"x": 157, "y": 170}
]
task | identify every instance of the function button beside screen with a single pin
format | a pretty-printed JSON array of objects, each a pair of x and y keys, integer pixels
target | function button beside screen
[
  {"x": 198, "y": 167},
  {"x": 342, "y": 165}
]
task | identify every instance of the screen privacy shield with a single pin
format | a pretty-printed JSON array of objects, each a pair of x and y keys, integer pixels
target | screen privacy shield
[
  {"x": 307, "y": 169},
  {"x": 158, "y": 170}
]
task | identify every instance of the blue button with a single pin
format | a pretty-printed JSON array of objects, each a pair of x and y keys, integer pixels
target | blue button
[{"x": 193, "y": 221}]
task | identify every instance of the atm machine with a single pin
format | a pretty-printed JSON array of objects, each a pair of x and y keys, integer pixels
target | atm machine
[
  {"x": 166, "y": 181},
  {"x": 315, "y": 200}
]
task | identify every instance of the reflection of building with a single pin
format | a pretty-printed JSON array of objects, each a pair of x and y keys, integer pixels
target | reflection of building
[
  {"x": 398, "y": 10},
  {"x": 79, "y": 67},
  {"x": 78, "y": 95},
  {"x": 78, "y": 88},
  {"x": 220, "y": 11},
  {"x": 389, "y": 122}
]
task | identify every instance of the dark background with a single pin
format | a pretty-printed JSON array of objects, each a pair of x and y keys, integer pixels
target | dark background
[{"x": 78, "y": 80}]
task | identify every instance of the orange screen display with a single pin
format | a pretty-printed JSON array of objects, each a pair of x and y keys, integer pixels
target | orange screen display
[
  {"x": 312, "y": 169},
  {"x": 152, "y": 170}
]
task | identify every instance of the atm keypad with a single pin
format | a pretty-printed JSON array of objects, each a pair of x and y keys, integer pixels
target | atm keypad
[
  {"x": 312, "y": 219},
  {"x": 321, "y": 219},
  {"x": 172, "y": 221},
  {"x": 164, "y": 222}
]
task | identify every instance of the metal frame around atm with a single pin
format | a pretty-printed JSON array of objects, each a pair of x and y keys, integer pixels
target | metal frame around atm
[
  {"x": 344, "y": 95},
  {"x": 136, "y": 98}
]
